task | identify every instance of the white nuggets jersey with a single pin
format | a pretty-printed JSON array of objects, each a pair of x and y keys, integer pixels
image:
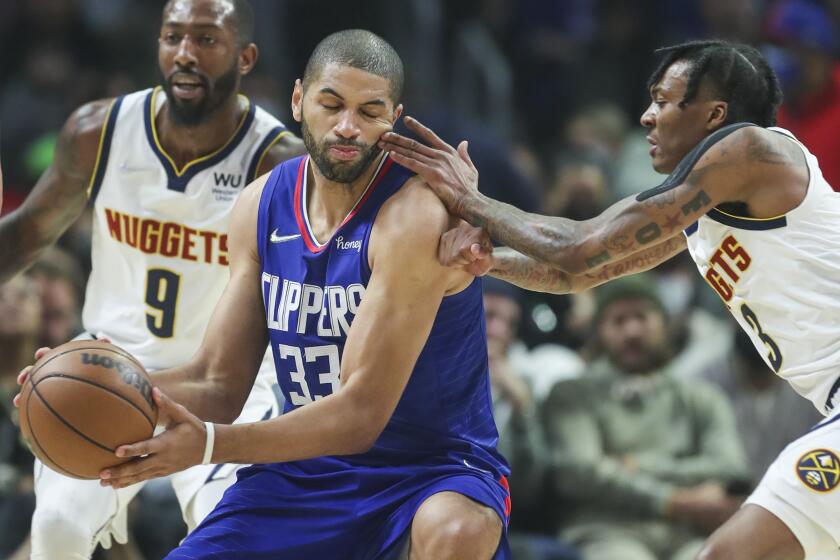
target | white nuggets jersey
[
  {"x": 160, "y": 250},
  {"x": 780, "y": 278}
]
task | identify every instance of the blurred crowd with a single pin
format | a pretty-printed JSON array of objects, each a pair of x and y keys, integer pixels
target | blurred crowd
[{"x": 636, "y": 418}]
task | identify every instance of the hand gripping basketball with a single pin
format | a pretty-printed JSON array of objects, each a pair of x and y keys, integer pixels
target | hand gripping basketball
[
  {"x": 80, "y": 401},
  {"x": 185, "y": 443}
]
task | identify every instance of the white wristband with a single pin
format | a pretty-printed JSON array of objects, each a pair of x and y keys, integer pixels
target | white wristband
[{"x": 208, "y": 446}]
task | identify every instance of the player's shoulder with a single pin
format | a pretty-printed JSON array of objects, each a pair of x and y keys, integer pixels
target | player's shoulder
[
  {"x": 79, "y": 138},
  {"x": 415, "y": 210},
  {"x": 756, "y": 144},
  {"x": 89, "y": 118}
]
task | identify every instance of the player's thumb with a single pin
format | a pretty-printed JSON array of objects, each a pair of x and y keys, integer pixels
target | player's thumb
[
  {"x": 172, "y": 411},
  {"x": 462, "y": 151},
  {"x": 480, "y": 250}
]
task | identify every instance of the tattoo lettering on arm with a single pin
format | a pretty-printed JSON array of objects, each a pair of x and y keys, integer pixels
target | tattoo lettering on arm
[
  {"x": 628, "y": 226},
  {"x": 600, "y": 258},
  {"x": 637, "y": 262},
  {"x": 527, "y": 273},
  {"x": 648, "y": 233}
]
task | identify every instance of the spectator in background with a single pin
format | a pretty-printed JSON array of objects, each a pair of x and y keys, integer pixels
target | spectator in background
[
  {"x": 759, "y": 398},
  {"x": 60, "y": 282},
  {"x": 645, "y": 456},
  {"x": 578, "y": 188},
  {"x": 521, "y": 439},
  {"x": 20, "y": 321},
  {"x": 699, "y": 336},
  {"x": 806, "y": 41}
]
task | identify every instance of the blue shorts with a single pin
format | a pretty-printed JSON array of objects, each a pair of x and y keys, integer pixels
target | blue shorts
[{"x": 329, "y": 508}]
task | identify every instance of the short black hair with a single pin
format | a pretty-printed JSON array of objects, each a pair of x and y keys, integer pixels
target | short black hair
[
  {"x": 735, "y": 73},
  {"x": 360, "y": 49},
  {"x": 243, "y": 19},
  {"x": 638, "y": 287},
  {"x": 243, "y": 15}
]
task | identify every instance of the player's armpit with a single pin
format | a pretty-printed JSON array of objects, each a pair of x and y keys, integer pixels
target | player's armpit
[
  {"x": 216, "y": 382},
  {"x": 59, "y": 195},
  {"x": 527, "y": 273},
  {"x": 388, "y": 333}
]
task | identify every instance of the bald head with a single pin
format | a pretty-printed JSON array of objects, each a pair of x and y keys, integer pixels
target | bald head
[
  {"x": 360, "y": 49},
  {"x": 237, "y": 13}
]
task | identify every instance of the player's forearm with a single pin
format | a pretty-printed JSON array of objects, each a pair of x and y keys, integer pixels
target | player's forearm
[
  {"x": 549, "y": 240},
  {"x": 340, "y": 424},
  {"x": 20, "y": 246},
  {"x": 189, "y": 386},
  {"x": 524, "y": 271}
]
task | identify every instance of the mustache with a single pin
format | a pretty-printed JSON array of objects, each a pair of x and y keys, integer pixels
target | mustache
[
  {"x": 185, "y": 72},
  {"x": 346, "y": 143}
]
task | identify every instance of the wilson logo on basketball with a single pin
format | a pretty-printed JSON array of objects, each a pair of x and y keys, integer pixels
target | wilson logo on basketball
[{"x": 128, "y": 374}]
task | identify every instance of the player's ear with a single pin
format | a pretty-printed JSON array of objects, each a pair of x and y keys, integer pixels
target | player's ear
[
  {"x": 717, "y": 115},
  {"x": 398, "y": 110},
  {"x": 297, "y": 100},
  {"x": 248, "y": 58}
]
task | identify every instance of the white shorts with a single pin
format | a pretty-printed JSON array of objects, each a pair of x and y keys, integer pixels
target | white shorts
[
  {"x": 802, "y": 488},
  {"x": 102, "y": 510}
]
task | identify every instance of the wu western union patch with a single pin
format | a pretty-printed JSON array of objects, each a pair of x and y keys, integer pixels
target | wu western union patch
[{"x": 819, "y": 470}]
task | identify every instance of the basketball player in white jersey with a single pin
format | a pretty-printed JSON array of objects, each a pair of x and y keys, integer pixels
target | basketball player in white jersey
[
  {"x": 161, "y": 169},
  {"x": 761, "y": 223}
]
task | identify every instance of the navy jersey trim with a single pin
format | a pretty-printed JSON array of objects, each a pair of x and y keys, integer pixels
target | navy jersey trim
[
  {"x": 741, "y": 222},
  {"x": 679, "y": 175},
  {"x": 692, "y": 229},
  {"x": 268, "y": 142},
  {"x": 177, "y": 180},
  {"x": 104, "y": 150}
]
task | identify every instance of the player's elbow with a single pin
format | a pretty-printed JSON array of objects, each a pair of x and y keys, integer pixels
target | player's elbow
[{"x": 367, "y": 422}]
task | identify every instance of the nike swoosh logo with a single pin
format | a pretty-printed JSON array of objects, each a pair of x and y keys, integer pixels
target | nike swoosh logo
[{"x": 281, "y": 238}]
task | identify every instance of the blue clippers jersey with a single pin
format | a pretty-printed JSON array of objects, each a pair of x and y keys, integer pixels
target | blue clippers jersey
[{"x": 312, "y": 293}]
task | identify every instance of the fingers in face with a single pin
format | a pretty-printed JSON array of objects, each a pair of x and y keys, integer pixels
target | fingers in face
[
  {"x": 427, "y": 134},
  {"x": 409, "y": 162},
  {"x": 392, "y": 140}
]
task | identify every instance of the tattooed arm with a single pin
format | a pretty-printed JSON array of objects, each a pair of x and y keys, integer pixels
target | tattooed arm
[
  {"x": 470, "y": 249},
  {"x": 522, "y": 270},
  {"x": 731, "y": 170},
  {"x": 60, "y": 194}
]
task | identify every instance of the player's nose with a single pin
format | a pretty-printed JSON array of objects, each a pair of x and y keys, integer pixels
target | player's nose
[
  {"x": 186, "y": 55},
  {"x": 347, "y": 126},
  {"x": 648, "y": 118}
]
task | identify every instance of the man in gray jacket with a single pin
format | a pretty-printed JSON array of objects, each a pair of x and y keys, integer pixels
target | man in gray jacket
[{"x": 645, "y": 457}]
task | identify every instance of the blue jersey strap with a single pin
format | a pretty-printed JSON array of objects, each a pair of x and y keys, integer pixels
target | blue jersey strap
[{"x": 679, "y": 175}]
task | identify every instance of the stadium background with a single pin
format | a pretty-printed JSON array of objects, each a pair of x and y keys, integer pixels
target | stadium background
[{"x": 548, "y": 92}]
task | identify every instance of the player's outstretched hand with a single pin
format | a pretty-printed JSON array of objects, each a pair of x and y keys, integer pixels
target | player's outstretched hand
[
  {"x": 468, "y": 248},
  {"x": 449, "y": 172},
  {"x": 181, "y": 446}
]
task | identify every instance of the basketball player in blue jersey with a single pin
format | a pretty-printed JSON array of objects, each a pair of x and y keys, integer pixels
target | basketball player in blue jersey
[
  {"x": 161, "y": 169},
  {"x": 387, "y": 445}
]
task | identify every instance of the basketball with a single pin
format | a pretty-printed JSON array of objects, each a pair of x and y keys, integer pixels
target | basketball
[{"x": 81, "y": 401}]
